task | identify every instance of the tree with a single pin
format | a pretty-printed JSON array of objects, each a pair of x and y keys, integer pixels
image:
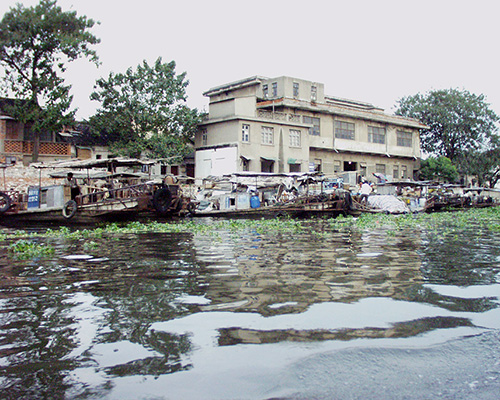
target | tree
[
  {"x": 438, "y": 169},
  {"x": 144, "y": 111},
  {"x": 36, "y": 43},
  {"x": 485, "y": 165},
  {"x": 458, "y": 121}
]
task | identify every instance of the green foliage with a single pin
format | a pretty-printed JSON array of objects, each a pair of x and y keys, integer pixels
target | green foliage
[
  {"x": 458, "y": 121},
  {"x": 439, "y": 223},
  {"x": 25, "y": 250},
  {"x": 438, "y": 169},
  {"x": 485, "y": 165},
  {"x": 143, "y": 111},
  {"x": 36, "y": 43}
]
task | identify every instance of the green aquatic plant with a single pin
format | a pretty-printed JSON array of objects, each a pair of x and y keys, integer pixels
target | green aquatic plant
[
  {"x": 26, "y": 249},
  {"x": 90, "y": 245},
  {"x": 488, "y": 218}
]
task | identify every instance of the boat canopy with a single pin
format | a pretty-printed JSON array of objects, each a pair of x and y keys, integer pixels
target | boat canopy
[{"x": 110, "y": 163}]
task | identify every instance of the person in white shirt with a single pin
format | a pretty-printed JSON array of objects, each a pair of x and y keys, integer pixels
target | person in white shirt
[{"x": 365, "y": 191}]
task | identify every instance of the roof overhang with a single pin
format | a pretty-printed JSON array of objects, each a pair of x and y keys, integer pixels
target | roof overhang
[
  {"x": 374, "y": 115},
  {"x": 252, "y": 81}
]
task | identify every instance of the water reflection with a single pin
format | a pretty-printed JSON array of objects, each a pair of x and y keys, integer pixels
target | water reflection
[
  {"x": 103, "y": 311},
  {"x": 298, "y": 271}
]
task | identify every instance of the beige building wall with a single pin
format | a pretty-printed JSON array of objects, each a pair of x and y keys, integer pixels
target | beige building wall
[{"x": 258, "y": 114}]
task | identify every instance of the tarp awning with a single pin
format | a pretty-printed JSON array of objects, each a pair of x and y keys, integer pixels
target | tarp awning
[{"x": 93, "y": 163}]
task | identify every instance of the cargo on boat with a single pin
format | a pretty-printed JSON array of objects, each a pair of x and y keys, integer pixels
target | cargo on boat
[
  {"x": 95, "y": 189},
  {"x": 244, "y": 194},
  {"x": 425, "y": 196}
]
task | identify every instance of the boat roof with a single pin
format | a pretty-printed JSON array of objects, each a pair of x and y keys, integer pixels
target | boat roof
[
  {"x": 97, "y": 175},
  {"x": 93, "y": 163}
]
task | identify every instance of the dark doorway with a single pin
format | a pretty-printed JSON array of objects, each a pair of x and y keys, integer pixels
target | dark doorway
[
  {"x": 294, "y": 167},
  {"x": 190, "y": 170},
  {"x": 350, "y": 166},
  {"x": 266, "y": 165}
]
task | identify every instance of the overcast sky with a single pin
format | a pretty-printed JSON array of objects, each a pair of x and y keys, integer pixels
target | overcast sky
[{"x": 368, "y": 50}]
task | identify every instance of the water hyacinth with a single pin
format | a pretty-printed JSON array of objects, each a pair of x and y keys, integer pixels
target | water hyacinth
[
  {"x": 25, "y": 250},
  {"x": 488, "y": 218}
]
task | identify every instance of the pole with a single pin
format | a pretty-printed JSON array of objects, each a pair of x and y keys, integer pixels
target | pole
[{"x": 39, "y": 187}]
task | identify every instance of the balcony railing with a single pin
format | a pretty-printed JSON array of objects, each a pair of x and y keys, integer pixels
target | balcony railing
[
  {"x": 46, "y": 148},
  {"x": 278, "y": 116}
]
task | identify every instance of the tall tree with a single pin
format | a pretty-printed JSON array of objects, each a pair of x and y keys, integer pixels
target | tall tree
[
  {"x": 459, "y": 121},
  {"x": 144, "y": 111},
  {"x": 36, "y": 44}
]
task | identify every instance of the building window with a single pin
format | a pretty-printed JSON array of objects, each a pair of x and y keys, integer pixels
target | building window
[
  {"x": 204, "y": 137},
  {"x": 314, "y": 93},
  {"x": 404, "y": 138},
  {"x": 267, "y": 135},
  {"x": 10, "y": 129},
  {"x": 404, "y": 172},
  {"x": 245, "y": 133},
  {"x": 376, "y": 134},
  {"x": 294, "y": 167},
  {"x": 245, "y": 164},
  {"x": 315, "y": 122},
  {"x": 317, "y": 165},
  {"x": 344, "y": 130},
  {"x": 337, "y": 166},
  {"x": 295, "y": 90},
  {"x": 275, "y": 89},
  {"x": 265, "y": 91},
  {"x": 362, "y": 169},
  {"x": 294, "y": 138},
  {"x": 380, "y": 168},
  {"x": 395, "y": 172},
  {"x": 266, "y": 165}
]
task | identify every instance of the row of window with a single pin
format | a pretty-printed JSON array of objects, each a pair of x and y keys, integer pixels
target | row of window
[
  {"x": 343, "y": 130},
  {"x": 398, "y": 171},
  {"x": 376, "y": 134},
  {"x": 268, "y": 166},
  {"x": 267, "y": 135},
  {"x": 274, "y": 88},
  {"x": 381, "y": 169}
]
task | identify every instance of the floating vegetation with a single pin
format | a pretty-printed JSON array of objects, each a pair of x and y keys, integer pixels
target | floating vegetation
[
  {"x": 488, "y": 218},
  {"x": 27, "y": 250}
]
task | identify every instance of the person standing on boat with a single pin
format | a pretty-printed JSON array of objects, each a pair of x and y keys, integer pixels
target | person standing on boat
[
  {"x": 71, "y": 182},
  {"x": 365, "y": 191}
]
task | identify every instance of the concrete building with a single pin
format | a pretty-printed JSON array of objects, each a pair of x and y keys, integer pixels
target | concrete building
[{"x": 289, "y": 125}]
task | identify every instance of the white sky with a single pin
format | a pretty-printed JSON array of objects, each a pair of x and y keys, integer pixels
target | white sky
[{"x": 367, "y": 50}]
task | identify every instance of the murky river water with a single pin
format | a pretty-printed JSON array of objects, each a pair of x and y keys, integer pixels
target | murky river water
[{"x": 317, "y": 314}]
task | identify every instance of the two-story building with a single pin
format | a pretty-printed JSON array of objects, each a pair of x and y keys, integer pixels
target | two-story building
[
  {"x": 16, "y": 140},
  {"x": 289, "y": 125}
]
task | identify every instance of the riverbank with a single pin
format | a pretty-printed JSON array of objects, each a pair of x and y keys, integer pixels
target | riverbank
[{"x": 20, "y": 178}]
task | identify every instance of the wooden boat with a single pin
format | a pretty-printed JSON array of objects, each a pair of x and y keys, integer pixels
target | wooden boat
[
  {"x": 106, "y": 194},
  {"x": 251, "y": 194}
]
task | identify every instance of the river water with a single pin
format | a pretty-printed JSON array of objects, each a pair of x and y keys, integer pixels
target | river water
[{"x": 319, "y": 313}]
